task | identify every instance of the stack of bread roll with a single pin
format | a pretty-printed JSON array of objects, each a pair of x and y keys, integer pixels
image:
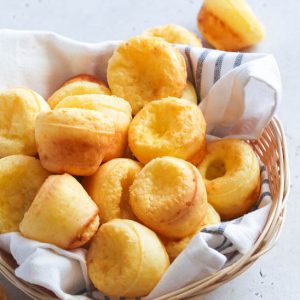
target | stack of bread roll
[{"x": 123, "y": 169}]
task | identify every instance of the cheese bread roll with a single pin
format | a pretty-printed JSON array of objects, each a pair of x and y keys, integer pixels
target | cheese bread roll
[
  {"x": 62, "y": 213},
  {"x": 78, "y": 85},
  {"x": 109, "y": 188},
  {"x": 19, "y": 108},
  {"x": 169, "y": 197},
  {"x": 73, "y": 140},
  {"x": 116, "y": 108},
  {"x": 168, "y": 127},
  {"x": 144, "y": 69},
  {"x": 175, "y": 34},
  {"x": 126, "y": 259},
  {"x": 21, "y": 176}
]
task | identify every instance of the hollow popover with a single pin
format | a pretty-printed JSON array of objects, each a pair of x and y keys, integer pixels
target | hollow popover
[
  {"x": 169, "y": 197},
  {"x": 175, "y": 34},
  {"x": 229, "y": 24},
  {"x": 19, "y": 108},
  {"x": 62, "y": 213},
  {"x": 231, "y": 173},
  {"x": 109, "y": 188},
  {"x": 21, "y": 176},
  {"x": 118, "y": 109},
  {"x": 126, "y": 259},
  {"x": 135, "y": 71},
  {"x": 73, "y": 140},
  {"x": 175, "y": 247},
  {"x": 168, "y": 127},
  {"x": 79, "y": 85}
]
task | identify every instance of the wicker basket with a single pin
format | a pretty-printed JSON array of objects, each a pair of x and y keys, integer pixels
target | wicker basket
[{"x": 271, "y": 148}]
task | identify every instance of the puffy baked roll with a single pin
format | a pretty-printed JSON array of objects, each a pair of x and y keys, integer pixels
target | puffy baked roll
[
  {"x": 62, "y": 213},
  {"x": 169, "y": 197},
  {"x": 109, "y": 188},
  {"x": 19, "y": 108},
  {"x": 126, "y": 259},
  {"x": 73, "y": 140},
  {"x": 231, "y": 173},
  {"x": 189, "y": 93},
  {"x": 168, "y": 127},
  {"x": 229, "y": 24},
  {"x": 144, "y": 69},
  {"x": 21, "y": 176},
  {"x": 118, "y": 109},
  {"x": 79, "y": 85},
  {"x": 175, "y": 247},
  {"x": 175, "y": 34}
]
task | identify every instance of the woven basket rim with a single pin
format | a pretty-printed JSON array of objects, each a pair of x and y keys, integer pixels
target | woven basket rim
[{"x": 265, "y": 242}]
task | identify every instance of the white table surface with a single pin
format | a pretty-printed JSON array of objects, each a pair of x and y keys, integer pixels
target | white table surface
[{"x": 276, "y": 275}]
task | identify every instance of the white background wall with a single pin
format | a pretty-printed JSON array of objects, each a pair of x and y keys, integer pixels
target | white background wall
[{"x": 276, "y": 275}]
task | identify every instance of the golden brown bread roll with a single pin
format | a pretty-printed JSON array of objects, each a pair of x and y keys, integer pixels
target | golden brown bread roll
[
  {"x": 19, "y": 108},
  {"x": 169, "y": 197},
  {"x": 62, "y": 213},
  {"x": 79, "y": 85},
  {"x": 118, "y": 109},
  {"x": 175, "y": 34},
  {"x": 135, "y": 71},
  {"x": 73, "y": 140},
  {"x": 109, "y": 188},
  {"x": 126, "y": 259},
  {"x": 231, "y": 173},
  {"x": 21, "y": 177},
  {"x": 229, "y": 24},
  {"x": 168, "y": 127}
]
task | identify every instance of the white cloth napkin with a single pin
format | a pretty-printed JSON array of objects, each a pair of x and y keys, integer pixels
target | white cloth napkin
[{"x": 238, "y": 94}]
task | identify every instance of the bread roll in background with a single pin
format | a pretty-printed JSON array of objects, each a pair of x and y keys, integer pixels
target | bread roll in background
[
  {"x": 62, "y": 213},
  {"x": 229, "y": 24},
  {"x": 19, "y": 108},
  {"x": 175, "y": 34},
  {"x": 21, "y": 176},
  {"x": 79, "y": 85}
]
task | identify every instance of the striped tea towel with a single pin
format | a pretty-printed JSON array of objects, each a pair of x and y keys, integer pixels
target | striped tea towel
[{"x": 238, "y": 94}]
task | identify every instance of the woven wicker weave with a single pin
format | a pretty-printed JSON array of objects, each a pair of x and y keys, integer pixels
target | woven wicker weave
[{"x": 271, "y": 148}]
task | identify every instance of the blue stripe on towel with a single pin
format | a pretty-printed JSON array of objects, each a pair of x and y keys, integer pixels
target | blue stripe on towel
[
  {"x": 218, "y": 67},
  {"x": 263, "y": 169},
  {"x": 265, "y": 181},
  {"x": 238, "y": 220},
  {"x": 225, "y": 247},
  {"x": 198, "y": 79},
  {"x": 222, "y": 244},
  {"x": 238, "y": 60},
  {"x": 261, "y": 198}
]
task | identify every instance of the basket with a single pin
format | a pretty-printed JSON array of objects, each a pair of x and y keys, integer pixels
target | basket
[{"x": 271, "y": 149}]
